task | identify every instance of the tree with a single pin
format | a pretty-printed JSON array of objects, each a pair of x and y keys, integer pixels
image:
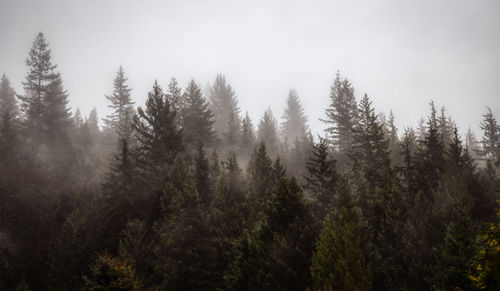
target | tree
[
  {"x": 267, "y": 132},
  {"x": 159, "y": 138},
  {"x": 224, "y": 106},
  {"x": 394, "y": 145},
  {"x": 108, "y": 273},
  {"x": 247, "y": 137},
  {"x": 197, "y": 118},
  {"x": 322, "y": 178},
  {"x": 274, "y": 253},
  {"x": 294, "y": 124},
  {"x": 338, "y": 262},
  {"x": 341, "y": 117},
  {"x": 185, "y": 252},
  {"x": 40, "y": 76},
  {"x": 8, "y": 103},
  {"x": 204, "y": 185},
  {"x": 122, "y": 106},
  {"x": 57, "y": 116},
  {"x": 259, "y": 173},
  {"x": 491, "y": 136}
]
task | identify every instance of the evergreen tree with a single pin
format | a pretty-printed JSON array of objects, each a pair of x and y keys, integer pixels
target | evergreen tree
[
  {"x": 394, "y": 145},
  {"x": 491, "y": 136},
  {"x": 159, "y": 138},
  {"x": 338, "y": 262},
  {"x": 294, "y": 124},
  {"x": 267, "y": 132},
  {"x": 57, "y": 116},
  {"x": 341, "y": 117},
  {"x": 202, "y": 177},
  {"x": 40, "y": 76},
  {"x": 185, "y": 252},
  {"x": 8, "y": 103},
  {"x": 259, "y": 173},
  {"x": 122, "y": 106},
  {"x": 108, "y": 273},
  {"x": 275, "y": 253},
  {"x": 224, "y": 106},
  {"x": 322, "y": 178},
  {"x": 197, "y": 118},
  {"x": 247, "y": 137}
]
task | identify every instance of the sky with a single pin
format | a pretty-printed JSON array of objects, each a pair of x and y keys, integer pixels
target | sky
[{"x": 403, "y": 54}]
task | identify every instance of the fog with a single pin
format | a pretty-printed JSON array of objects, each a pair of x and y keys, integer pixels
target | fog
[{"x": 402, "y": 54}]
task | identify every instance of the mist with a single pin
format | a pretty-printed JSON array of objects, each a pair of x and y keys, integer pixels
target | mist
[{"x": 226, "y": 145}]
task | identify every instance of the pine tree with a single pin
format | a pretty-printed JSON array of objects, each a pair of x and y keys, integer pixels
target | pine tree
[
  {"x": 197, "y": 118},
  {"x": 202, "y": 177},
  {"x": 341, "y": 117},
  {"x": 8, "y": 103},
  {"x": 57, "y": 116},
  {"x": 185, "y": 252},
  {"x": 122, "y": 106},
  {"x": 294, "y": 124},
  {"x": 267, "y": 133},
  {"x": 40, "y": 77},
  {"x": 274, "y": 254},
  {"x": 247, "y": 137},
  {"x": 159, "y": 138},
  {"x": 224, "y": 105},
  {"x": 394, "y": 145},
  {"x": 259, "y": 173},
  {"x": 338, "y": 262},
  {"x": 322, "y": 178},
  {"x": 491, "y": 136}
]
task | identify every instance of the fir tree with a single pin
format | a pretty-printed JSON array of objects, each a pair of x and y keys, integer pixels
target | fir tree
[
  {"x": 294, "y": 124},
  {"x": 247, "y": 137},
  {"x": 122, "y": 106},
  {"x": 267, "y": 132},
  {"x": 159, "y": 138},
  {"x": 322, "y": 178},
  {"x": 57, "y": 116},
  {"x": 8, "y": 103},
  {"x": 40, "y": 77},
  {"x": 224, "y": 105},
  {"x": 341, "y": 117},
  {"x": 197, "y": 118},
  {"x": 491, "y": 136},
  {"x": 338, "y": 262}
]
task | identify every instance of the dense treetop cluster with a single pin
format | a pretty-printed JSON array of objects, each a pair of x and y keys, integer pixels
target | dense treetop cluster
[{"x": 184, "y": 192}]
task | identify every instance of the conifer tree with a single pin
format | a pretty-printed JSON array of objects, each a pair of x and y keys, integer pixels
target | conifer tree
[
  {"x": 247, "y": 137},
  {"x": 259, "y": 173},
  {"x": 202, "y": 177},
  {"x": 267, "y": 132},
  {"x": 224, "y": 106},
  {"x": 40, "y": 76},
  {"x": 294, "y": 124},
  {"x": 8, "y": 103},
  {"x": 491, "y": 136},
  {"x": 159, "y": 138},
  {"x": 322, "y": 178},
  {"x": 341, "y": 117},
  {"x": 394, "y": 145},
  {"x": 185, "y": 252},
  {"x": 197, "y": 118},
  {"x": 122, "y": 106},
  {"x": 338, "y": 262},
  {"x": 57, "y": 116}
]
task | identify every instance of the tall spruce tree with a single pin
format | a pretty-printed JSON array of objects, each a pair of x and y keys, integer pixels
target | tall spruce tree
[
  {"x": 247, "y": 137},
  {"x": 57, "y": 116},
  {"x": 267, "y": 132},
  {"x": 491, "y": 136},
  {"x": 197, "y": 118},
  {"x": 8, "y": 102},
  {"x": 122, "y": 106},
  {"x": 40, "y": 77},
  {"x": 294, "y": 124},
  {"x": 159, "y": 138},
  {"x": 225, "y": 108},
  {"x": 341, "y": 117}
]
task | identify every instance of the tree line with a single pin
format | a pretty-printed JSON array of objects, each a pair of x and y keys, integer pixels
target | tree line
[{"x": 185, "y": 193}]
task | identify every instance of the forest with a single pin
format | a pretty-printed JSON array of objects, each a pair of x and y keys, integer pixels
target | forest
[{"x": 186, "y": 192}]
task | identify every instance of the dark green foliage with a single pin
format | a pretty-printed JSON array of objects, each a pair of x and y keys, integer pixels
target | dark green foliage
[
  {"x": 341, "y": 118},
  {"x": 122, "y": 106},
  {"x": 338, "y": 262},
  {"x": 108, "y": 273},
  {"x": 322, "y": 178},
  {"x": 267, "y": 132},
  {"x": 197, "y": 118}
]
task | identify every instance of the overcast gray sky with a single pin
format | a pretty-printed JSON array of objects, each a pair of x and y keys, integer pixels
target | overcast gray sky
[{"x": 401, "y": 53}]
